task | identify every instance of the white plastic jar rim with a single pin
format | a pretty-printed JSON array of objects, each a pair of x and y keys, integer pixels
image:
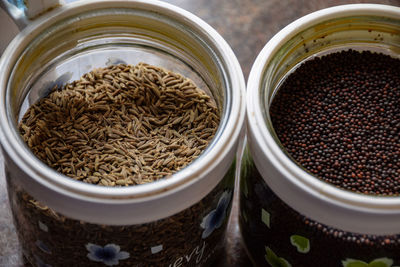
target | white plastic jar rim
[
  {"x": 134, "y": 204},
  {"x": 306, "y": 194}
]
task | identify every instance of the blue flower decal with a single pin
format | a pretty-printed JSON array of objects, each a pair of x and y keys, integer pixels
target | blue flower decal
[
  {"x": 43, "y": 247},
  {"x": 109, "y": 254},
  {"x": 216, "y": 217}
]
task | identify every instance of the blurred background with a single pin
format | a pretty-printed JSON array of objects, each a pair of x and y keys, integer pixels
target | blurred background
[{"x": 246, "y": 25}]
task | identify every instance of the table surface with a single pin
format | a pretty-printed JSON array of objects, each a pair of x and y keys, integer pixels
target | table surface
[{"x": 246, "y": 25}]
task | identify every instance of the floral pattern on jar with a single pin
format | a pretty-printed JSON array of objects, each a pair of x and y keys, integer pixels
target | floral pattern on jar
[
  {"x": 110, "y": 254},
  {"x": 277, "y": 235},
  {"x": 216, "y": 217},
  {"x": 192, "y": 237}
]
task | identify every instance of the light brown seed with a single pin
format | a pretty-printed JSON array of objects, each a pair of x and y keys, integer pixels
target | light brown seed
[{"x": 121, "y": 125}]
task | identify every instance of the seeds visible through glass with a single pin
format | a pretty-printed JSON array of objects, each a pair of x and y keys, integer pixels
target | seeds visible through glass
[{"x": 121, "y": 125}]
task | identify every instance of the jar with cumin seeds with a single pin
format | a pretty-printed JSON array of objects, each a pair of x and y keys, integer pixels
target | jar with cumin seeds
[
  {"x": 84, "y": 213},
  {"x": 319, "y": 175}
]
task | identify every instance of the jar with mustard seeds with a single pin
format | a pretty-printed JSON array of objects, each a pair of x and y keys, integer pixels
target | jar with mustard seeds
[{"x": 319, "y": 175}]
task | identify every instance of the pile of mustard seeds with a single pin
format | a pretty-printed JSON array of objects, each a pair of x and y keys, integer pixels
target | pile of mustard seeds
[
  {"x": 338, "y": 116},
  {"x": 121, "y": 125}
]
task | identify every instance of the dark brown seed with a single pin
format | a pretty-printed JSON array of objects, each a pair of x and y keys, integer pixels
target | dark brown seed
[{"x": 339, "y": 117}]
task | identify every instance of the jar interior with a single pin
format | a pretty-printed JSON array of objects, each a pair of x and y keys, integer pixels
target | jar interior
[
  {"x": 360, "y": 33},
  {"x": 77, "y": 44}
]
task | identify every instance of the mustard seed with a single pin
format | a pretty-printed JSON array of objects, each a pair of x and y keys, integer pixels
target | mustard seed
[{"x": 338, "y": 116}]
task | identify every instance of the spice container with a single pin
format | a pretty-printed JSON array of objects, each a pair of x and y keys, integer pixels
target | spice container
[
  {"x": 179, "y": 221},
  {"x": 289, "y": 214}
]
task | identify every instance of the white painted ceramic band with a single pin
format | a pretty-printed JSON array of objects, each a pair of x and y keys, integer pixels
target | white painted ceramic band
[
  {"x": 128, "y": 205},
  {"x": 303, "y": 192}
]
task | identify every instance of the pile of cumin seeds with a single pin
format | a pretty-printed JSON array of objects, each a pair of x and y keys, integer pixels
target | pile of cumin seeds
[{"x": 121, "y": 125}]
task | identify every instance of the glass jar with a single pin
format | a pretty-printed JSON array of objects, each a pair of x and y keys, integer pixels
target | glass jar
[
  {"x": 179, "y": 221},
  {"x": 287, "y": 216}
]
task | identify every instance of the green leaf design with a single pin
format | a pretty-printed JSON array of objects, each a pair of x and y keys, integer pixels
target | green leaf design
[
  {"x": 301, "y": 243},
  {"x": 266, "y": 217},
  {"x": 274, "y": 260},
  {"x": 244, "y": 214},
  {"x": 381, "y": 262},
  {"x": 230, "y": 176},
  {"x": 246, "y": 168},
  {"x": 354, "y": 263},
  {"x": 245, "y": 189}
]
